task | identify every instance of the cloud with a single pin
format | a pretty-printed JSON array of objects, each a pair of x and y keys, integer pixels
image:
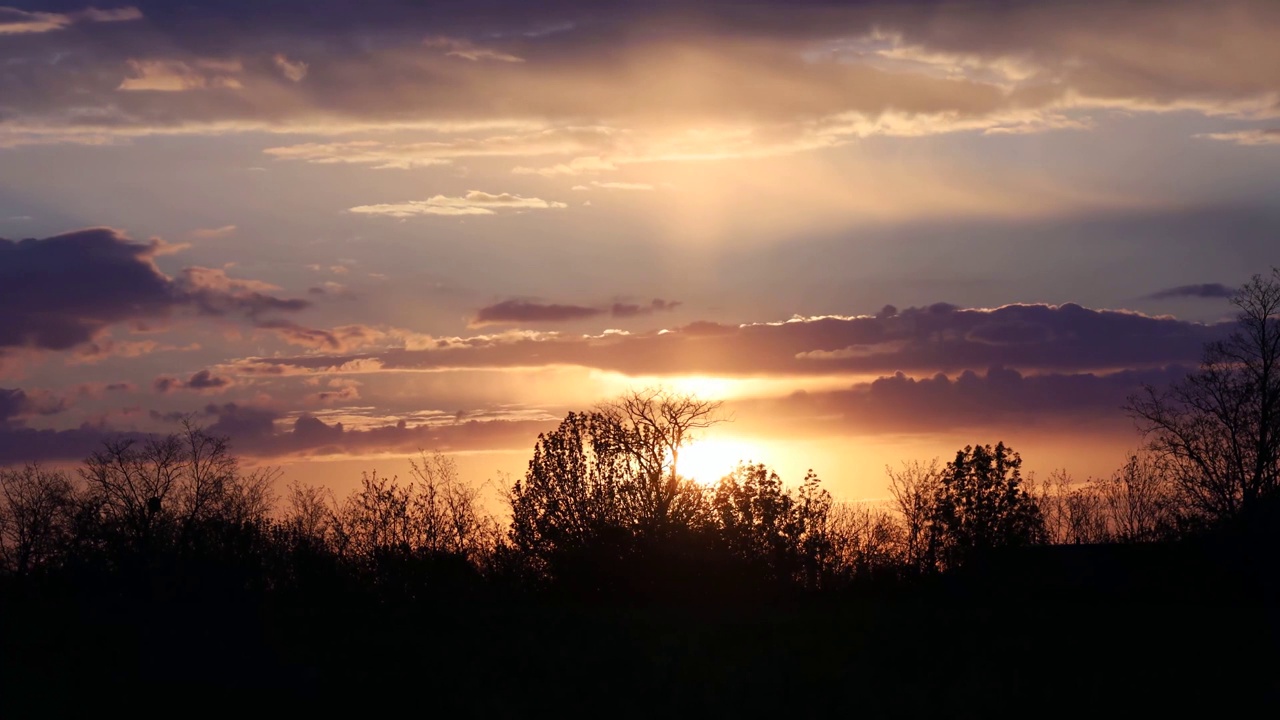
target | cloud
[
  {"x": 475, "y": 202},
  {"x": 209, "y": 233},
  {"x": 339, "y": 339},
  {"x": 293, "y": 70},
  {"x": 999, "y": 398},
  {"x": 384, "y": 155},
  {"x": 63, "y": 291},
  {"x": 770, "y": 79},
  {"x": 936, "y": 338},
  {"x": 515, "y": 312},
  {"x": 996, "y": 399},
  {"x": 180, "y": 76},
  {"x": 20, "y": 22},
  {"x": 16, "y": 404},
  {"x": 340, "y": 390},
  {"x": 1265, "y": 136},
  {"x": 622, "y": 185},
  {"x": 1205, "y": 290},
  {"x": 467, "y": 50},
  {"x": 518, "y": 311},
  {"x": 203, "y": 381},
  {"x": 576, "y": 166},
  {"x": 626, "y": 310}
]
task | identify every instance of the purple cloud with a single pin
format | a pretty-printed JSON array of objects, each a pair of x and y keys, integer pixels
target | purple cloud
[
  {"x": 999, "y": 398},
  {"x": 202, "y": 381},
  {"x": 511, "y": 312},
  {"x": 516, "y": 312},
  {"x": 59, "y": 292},
  {"x": 1205, "y": 290},
  {"x": 626, "y": 310},
  {"x": 937, "y": 338}
]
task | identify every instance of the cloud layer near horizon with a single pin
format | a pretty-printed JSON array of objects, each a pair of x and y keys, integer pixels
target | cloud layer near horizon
[{"x": 939, "y": 367}]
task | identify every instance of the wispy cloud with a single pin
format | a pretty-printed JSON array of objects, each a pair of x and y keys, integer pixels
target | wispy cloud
[
  {"x": 209, "y": 233},
  {"x": 180, "y": 76},
  {"x": 475, "y": 202},
  {"x": 467, "y": 50},
  {"x": 20, "y": 22},
  {"x": 1264, "y": 136},
  {"x": 293, "y": 70}
]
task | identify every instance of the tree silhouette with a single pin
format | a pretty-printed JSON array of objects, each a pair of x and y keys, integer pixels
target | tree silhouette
[
  {"x": 1218, "y": 430},
  {"x": 766, "y": 525},
  {"x": 1137, "y": 501},
  {"x": 607, "y": 480},
  {"x": 434, "y": 514},
  {"x": 915, "y": 490},
  {"x": 36, "y": 509},
  {"x": 652, "y": 426},
  {"x": 580, "y": 487},
  {"x": 167, "y": 488},
  {"x": 980, "y": 505}
]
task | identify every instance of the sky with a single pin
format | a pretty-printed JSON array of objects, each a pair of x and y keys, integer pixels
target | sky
[{"x": 343, "y": 232}]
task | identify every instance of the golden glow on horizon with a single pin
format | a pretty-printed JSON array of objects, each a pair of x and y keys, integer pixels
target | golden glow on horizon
[{"x": 706, "y": 461}]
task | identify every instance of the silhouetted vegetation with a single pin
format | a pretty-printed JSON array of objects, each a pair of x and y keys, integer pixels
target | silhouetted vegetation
[{"x": 166, "y": 561}]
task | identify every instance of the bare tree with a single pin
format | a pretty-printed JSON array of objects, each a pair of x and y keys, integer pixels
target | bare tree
[
  {"x": 35, "y": 516},
  {"x": 914, "y": 488},
  {"x": 174, "y": 483},
  {"x": 1073, "y": 512},
  {"x": 865, "y": 539},
  {"x": 309, "y": 512},
  {"x": 1218, "y": 430},
  {"x": 652, "y": 426},
  {"x": 451, "y": 511},
  {"x": 1137, "y": 501},
  {"x": 434, "y": 514}
]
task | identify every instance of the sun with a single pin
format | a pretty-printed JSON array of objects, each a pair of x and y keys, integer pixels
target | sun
[{"x": 706, "y": 461}]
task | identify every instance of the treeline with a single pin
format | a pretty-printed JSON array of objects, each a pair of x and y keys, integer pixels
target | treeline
[{"x": 601, "y": 512}]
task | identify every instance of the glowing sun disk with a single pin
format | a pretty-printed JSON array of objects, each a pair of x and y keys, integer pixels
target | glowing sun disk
[{"x": 706, "y": 461}]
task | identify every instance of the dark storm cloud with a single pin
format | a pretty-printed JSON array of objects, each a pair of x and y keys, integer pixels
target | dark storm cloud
[
  {"x": 1206, "y": 290},
  {"x": 938, "y": 338},
  {"x": 62, "y": 291}
]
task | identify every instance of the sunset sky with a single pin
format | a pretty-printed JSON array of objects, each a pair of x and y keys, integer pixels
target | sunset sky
[{"x": 339, "y": 232}]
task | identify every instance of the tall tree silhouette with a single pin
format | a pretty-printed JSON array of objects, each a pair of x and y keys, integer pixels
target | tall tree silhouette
[
  {"x": 980, "y": 504},
  {"x": 1218, "y": 430},
  {"x": 607, "y": 479}
]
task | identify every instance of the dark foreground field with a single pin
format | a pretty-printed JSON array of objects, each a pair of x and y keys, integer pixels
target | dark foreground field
[{"x": 948, "y": 647}]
